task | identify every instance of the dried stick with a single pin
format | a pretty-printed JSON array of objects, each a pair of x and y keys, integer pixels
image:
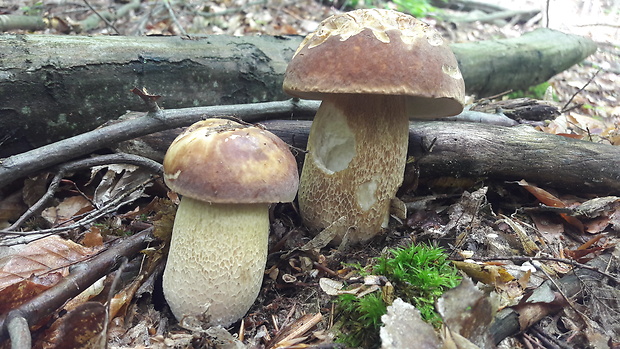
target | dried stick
[
  {"x": 119, "y": 158},
  {"x": 88, "y": 219},
  {"x": 565, "y": 107},
  {"x": 23, "y": 164},
  {"x": 107, "y": 22},
  {"x": 174, "y": 18},
  {"x": 82, "y": 276}
]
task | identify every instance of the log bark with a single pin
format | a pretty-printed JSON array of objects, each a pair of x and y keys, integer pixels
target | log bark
[
  {"x": 464, "y": 149},
  {"x": 472, "y": 150},
  {"x": 53, "y": 87}
]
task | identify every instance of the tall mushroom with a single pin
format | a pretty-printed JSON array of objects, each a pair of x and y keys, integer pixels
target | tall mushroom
[
  {"x": 228, "y": 174},
  {"x": 373, "y": 70}
]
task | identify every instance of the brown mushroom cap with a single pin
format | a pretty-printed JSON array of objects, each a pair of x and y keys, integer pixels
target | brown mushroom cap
[
  {"x": 378, "y": 51},
  {"x": 222, "y": 161}
]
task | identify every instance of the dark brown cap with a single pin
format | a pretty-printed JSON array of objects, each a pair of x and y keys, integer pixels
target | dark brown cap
[
  {"x": 222, "y": 161},
  {"x": 374, "y": 51}
]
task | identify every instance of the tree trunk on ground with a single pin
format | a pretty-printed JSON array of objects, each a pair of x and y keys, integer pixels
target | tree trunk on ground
[
  {"x": 462, "y": 149},
  {"x": 465, "y": 149},
  {"x": 54, "y": 87}
]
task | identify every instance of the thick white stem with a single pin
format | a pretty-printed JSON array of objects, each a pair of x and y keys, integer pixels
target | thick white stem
[
  {"x": 217, "y": 260},
  {"x": 356, "y": 158}
]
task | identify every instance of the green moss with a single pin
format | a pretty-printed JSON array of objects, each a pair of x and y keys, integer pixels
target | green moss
[
  {"x": 419, "y": 274},
  {"x": 416, "y": 8},
  {"x": 535, "y": 92},
  {"x": 360, "y": 319}
]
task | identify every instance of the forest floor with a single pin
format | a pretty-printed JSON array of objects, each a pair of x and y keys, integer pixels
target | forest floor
[{"x": 293, "y": 293}]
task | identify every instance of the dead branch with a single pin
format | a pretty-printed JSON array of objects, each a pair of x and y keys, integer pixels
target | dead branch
[
  {"x": 82, "y": 276},
  {"x": 12, "y": 22},
  {"x": 475, "y": 150},
  {"x": 509, "y": 321},
  {"x": 461, "y": 149},
  {"x": 23, "y": 164},
  {"x": 64, "y": 169}
]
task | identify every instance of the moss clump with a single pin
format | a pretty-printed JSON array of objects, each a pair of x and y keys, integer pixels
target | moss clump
[{"x": 420, "y": 274}]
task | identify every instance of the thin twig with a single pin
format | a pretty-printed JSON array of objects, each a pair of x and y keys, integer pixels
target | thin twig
[
  {"x": 174, "y": 18},
  {"x": 579, "y": 91},
  {"x": 549, "y": 341},
  {"x": 230, "y": 10},
  {"x": 108, "y": 23},
  {"x": 597, "y": 25},
  {"x": 558, "y": 288},
  {"x": 111, "y": 206},
  {"x": 23, "y": 164},
  {"x": 547, "y": 14},
  {"x": 119, "y": 158},
  {"x": 81, "y": 277}
]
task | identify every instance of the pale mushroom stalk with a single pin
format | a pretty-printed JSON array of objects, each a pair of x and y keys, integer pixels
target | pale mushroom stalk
[
  {"x": 211, "y": 275},
  {"x": 357, "y": 156},
  {"x": 228, "y": 174}
]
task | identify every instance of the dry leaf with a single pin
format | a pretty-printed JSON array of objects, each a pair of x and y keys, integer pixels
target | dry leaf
[
  {"x": 66, "y": 210},
  {"x": 11, "y": 207},
  {"x": 550, "y": 200},
  {"x": 81, "y": 328},
  {"x": 331, "y": 287},
  {"x": 485, "y": 273},
  {"x": 16, "y": 294},
  {"x": 116, "y": 181},
  {"x": 468, "y": 312},
  {"x": 41, "y": 256}
]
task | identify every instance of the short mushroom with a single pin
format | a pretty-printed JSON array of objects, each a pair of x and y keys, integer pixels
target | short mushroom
[
  {"x": 373, "y": 70},
  {"x": 227, "y": 174}
]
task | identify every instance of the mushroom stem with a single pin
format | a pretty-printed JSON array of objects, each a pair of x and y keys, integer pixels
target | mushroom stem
[
  {"x": 355, "y": 163},
  {"x": 217, "y": 258}
]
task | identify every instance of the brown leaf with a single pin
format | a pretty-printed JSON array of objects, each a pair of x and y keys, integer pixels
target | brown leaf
[
  {"x": 468, "y": 312},
  {"x": 20, "y": 292},
  {"x": 11, "y": 207},
  {"x": 66, "y": 210},
  {"x": 82, "y": 327},
  {"x": 550, "y": 200},
  {"x": 92, "y": 237},
  {"x": 39, "y": 257}
]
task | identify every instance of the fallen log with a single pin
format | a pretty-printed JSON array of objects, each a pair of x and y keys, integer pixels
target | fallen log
[
  {"x": 53, "y": 87},
  {"x": 471, "y": 150},
  {"x": 462, "y": 149}
]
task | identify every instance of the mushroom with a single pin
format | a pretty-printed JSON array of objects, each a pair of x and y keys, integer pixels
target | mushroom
[
  {"x": 373, "y": 69},
  {"x": 227, "y": 174}
]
